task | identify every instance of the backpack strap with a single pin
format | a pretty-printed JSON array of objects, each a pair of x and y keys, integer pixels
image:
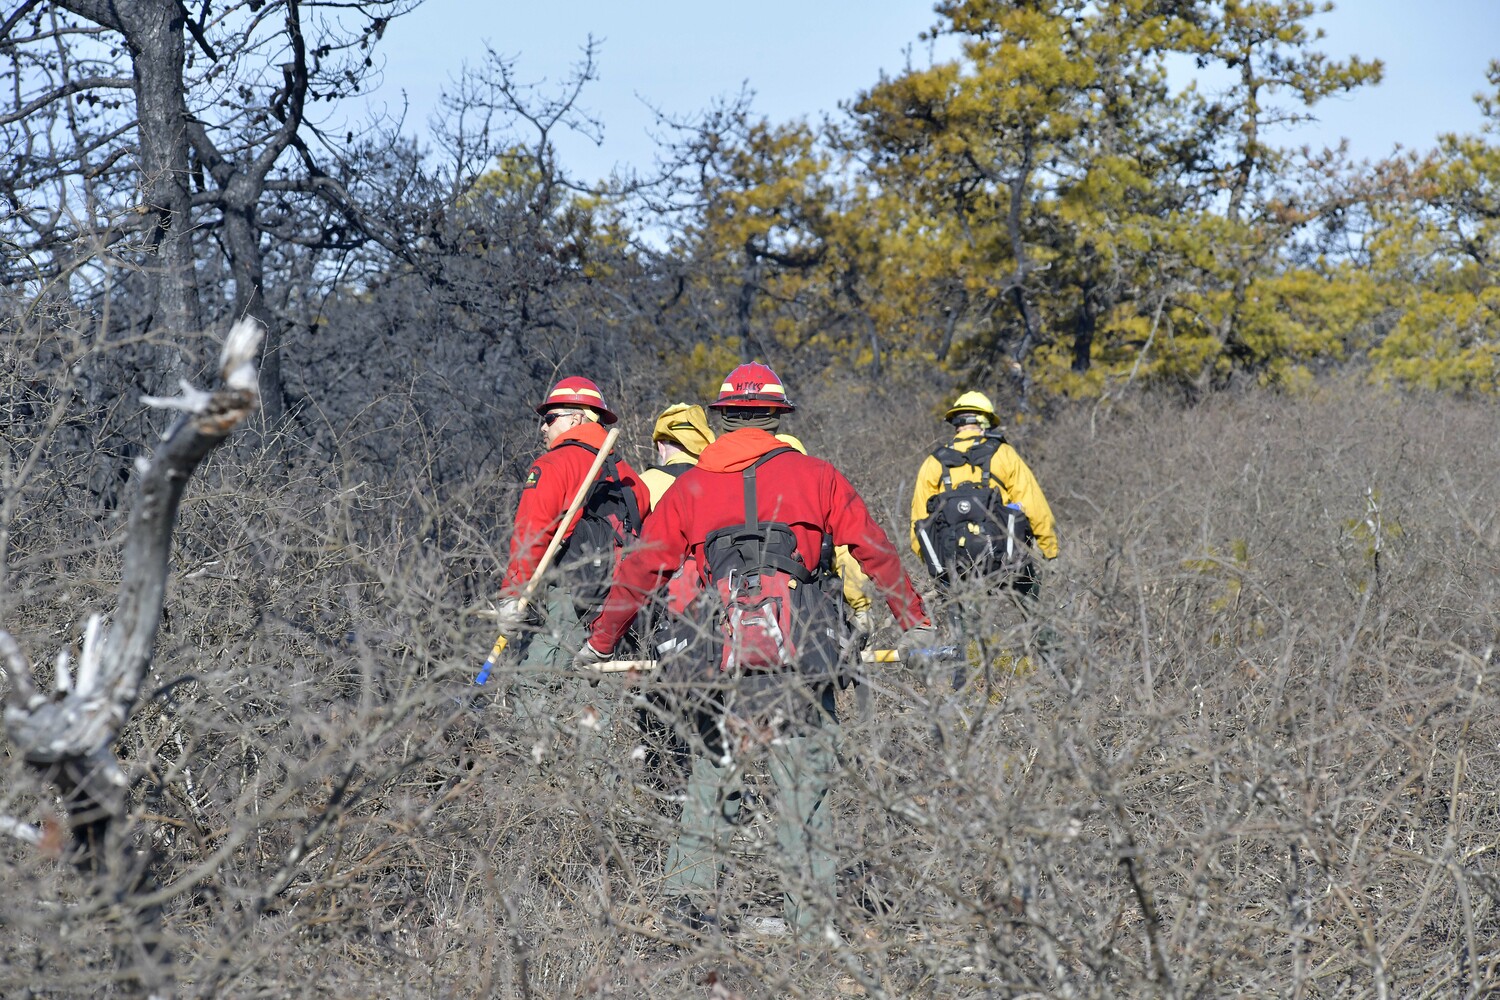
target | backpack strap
[
  {"x": 612, "y": 464},
  {"x": 979, "y": 456},
  {"x": 752, "y": 519},
  {"x": 949, "y": 458},
  {"x": 632, "y": 505},
  {"x": 752, "y": 514},
  {"x": 675, "y": 470},
  {"x": 575, "y": 443}
]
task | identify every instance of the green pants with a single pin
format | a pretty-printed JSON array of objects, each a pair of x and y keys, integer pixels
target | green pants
[
  {"x": 545, "y": 689},
  {"x": 561, "y": 633},
  {"x": 801, "y": 768},
  {"x": 1023, "y": 591}
]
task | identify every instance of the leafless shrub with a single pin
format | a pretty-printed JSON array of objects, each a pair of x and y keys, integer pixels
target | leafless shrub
[{"x": 1257, "y": 761}]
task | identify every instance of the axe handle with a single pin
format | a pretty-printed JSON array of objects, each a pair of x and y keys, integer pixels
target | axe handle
[
  {"x": 646, "y": 666},
  {"x": 623, "y": 666}
]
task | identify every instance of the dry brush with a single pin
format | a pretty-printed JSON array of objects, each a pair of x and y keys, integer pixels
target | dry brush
[{"x": 1258, "y": 760}]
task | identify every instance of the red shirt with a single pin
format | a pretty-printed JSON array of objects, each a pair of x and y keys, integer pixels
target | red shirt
[
  {"x": 808, "y": 494},
  {"x": 550, "y": 487}
]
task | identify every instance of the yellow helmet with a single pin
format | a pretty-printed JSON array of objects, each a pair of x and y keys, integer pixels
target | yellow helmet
[
  {"x": 685, "y": 424},
  {"x": 973, "y": 402}
]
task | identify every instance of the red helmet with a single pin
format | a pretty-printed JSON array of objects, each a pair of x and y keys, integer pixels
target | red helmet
[
  {"x": 577, "y": 391},
  {"x": 752, "y": 386}
]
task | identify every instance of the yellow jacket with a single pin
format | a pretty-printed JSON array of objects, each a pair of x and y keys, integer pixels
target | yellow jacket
[
  {"x": 856, "y": 581},
  {"x": 1017, "y": 485},
  {"x": 657, "y": 481}
]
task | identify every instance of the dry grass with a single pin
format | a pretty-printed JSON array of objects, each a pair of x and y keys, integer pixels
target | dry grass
[{"x": 1262, "y": 760}]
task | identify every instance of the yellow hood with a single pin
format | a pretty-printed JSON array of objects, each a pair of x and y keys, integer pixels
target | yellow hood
[{"x": 685, "y": 424}]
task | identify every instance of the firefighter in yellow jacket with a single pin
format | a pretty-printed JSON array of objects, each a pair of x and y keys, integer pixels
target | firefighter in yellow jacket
[
  {"x": 680, "y": 435},
  {"x": 978, "y": 458}
]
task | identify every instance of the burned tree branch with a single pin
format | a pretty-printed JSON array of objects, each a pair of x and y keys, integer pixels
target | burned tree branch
[{"x": 68, "y": 735}]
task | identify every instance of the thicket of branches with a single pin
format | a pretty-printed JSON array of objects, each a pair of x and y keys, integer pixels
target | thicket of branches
[{"x": 1257, "y": 762}]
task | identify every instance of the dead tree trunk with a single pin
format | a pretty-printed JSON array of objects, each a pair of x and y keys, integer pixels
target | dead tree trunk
[{"x": 68, "y": 734}]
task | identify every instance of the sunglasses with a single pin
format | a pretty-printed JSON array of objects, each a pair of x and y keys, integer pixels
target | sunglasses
[{"x": 551, "y": 418}]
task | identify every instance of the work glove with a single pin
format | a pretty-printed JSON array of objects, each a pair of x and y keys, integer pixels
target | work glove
[
  {"x": 861, "y": 624},
  {"x": 587, "y": 657},
  {"x": 510, "y": 615},
  {"x": 918, "y": 644}
]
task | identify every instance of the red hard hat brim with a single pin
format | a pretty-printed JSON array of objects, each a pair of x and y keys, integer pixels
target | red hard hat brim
[{"x": 751, "y": 403}]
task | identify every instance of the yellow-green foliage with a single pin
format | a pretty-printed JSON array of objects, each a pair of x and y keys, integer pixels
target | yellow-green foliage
[
  {"x": 1439, "y": 256},
  {"x": 699, "y": 374},
  {"x": 1229, "y": 567},
  {"x": 582, "y": 229},
  {"x": 1445, "y": 341},
  {"x": 1237, "y": 615},
  {"x": 1048, "y": 196}
]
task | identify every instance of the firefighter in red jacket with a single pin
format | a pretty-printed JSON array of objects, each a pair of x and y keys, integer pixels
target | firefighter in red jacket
[
  {"x": 573, "y": 417},
  {"x": 726, "y": 713}
]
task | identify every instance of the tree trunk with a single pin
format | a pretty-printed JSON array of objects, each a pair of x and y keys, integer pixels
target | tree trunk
[
  {"x": 1083, "y": 332},
  {"x": 155, "y": 32},
  {"x": 1031, "y": 321},
  {"x": 242, "y": 241},
  {"x": 745, "y": 304}
]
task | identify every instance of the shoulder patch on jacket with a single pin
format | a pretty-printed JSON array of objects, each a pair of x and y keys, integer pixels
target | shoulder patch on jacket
[{"x": 533, "y": 477}]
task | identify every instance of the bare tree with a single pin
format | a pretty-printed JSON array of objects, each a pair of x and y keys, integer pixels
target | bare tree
[
  {"x": 180, "y": 143},
  {"x": 514, "y": 269},
  {"x": 69, "y": 736}
]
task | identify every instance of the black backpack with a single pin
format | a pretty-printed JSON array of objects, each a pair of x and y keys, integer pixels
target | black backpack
[
  {"x": 970, "y": 530},
  {"x": 609, "y": 521},
  {"x": 770, "y": 611}
]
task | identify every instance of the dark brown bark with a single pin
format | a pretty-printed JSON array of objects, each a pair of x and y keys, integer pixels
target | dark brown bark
[
  {"x": 1031, "y": 321},
  {"x": 1083, "y": 332},
  {"x": 154, "y": 33},
  {"x": 241, "y": 185}
]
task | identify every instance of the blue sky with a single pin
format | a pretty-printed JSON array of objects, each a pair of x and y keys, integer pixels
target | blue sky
[{"x": 802, "y": 58}]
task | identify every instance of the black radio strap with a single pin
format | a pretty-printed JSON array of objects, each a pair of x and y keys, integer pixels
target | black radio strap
[{"x": 612, "y": 465}]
